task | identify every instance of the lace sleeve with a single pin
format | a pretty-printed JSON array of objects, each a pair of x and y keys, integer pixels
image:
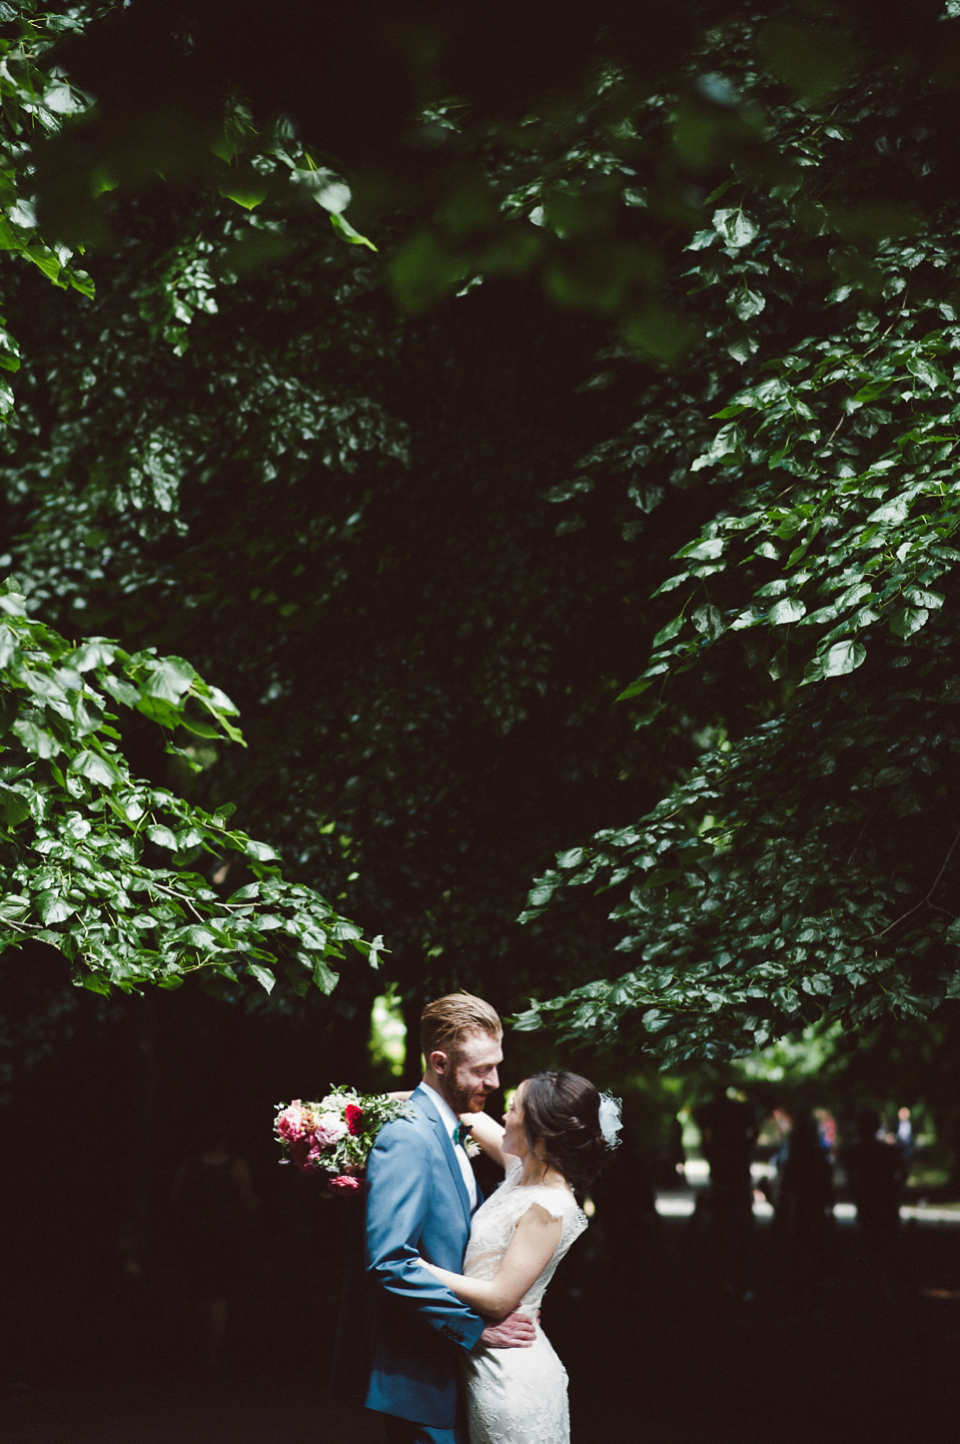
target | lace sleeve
[{"x": 558, "y": 1202}]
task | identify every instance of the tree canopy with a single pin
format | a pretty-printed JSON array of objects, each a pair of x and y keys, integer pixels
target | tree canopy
[
  {"x": 807, "y": 865},
  {"x": 676, "y": 285}
]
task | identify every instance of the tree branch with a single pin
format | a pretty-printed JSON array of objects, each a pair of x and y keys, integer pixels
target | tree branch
[{"x": 924, "y": 900}]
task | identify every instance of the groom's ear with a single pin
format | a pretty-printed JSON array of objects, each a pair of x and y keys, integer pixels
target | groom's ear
[{"x": 439, "y": 1061}]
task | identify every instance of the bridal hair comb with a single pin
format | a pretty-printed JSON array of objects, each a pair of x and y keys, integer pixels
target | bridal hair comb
[{"x": 610, "y": 1120}]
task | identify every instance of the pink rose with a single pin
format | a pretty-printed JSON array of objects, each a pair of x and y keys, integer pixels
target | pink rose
[
  {"x": 290, "y": 1122},
  {"x": 345, "y": 1183}
]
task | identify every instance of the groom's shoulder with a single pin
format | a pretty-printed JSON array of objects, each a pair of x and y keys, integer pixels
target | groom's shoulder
[{"x": 408, "y": 1126}]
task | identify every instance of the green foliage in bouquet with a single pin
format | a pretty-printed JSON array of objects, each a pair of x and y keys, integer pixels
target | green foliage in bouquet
[{"x": 106, "y": 867}]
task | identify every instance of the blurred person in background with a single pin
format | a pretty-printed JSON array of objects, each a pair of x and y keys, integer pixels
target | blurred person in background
[
  {"x": 804, "y": 1215},
  {"x": 906, "y": 1139},
  {"x": 876, "y": 1173},
  {"x": 729, "y": 1128}
]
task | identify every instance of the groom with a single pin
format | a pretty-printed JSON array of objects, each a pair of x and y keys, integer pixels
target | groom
[{"x": 421, "y": 1194}]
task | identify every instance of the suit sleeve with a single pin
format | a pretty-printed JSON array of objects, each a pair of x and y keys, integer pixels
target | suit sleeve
[{"x": 398, "y": 1198}]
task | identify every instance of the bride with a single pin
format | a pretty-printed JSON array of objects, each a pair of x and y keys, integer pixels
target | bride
[{"x": 555, "y": 1134}]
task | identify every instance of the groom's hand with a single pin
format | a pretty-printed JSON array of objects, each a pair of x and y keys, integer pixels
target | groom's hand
[{"x": 516, "y": 1331}]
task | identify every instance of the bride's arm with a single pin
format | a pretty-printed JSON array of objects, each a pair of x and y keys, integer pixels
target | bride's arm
[
  {"x": 488, "y": 1133},
  {"x": 530, "y": 1250}
]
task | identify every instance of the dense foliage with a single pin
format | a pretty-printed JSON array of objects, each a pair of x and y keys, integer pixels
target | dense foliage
[
  {"x": 84, "y": 839},
  {"x": 737, "y": 350},
  {"x": 808, "y": 864}
]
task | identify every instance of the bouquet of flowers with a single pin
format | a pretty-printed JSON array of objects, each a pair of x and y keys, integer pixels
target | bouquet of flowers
[{"x": 334, "y": 1137}]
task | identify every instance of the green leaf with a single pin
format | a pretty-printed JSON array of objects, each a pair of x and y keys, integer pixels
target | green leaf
[
  {"x": 96, "y": 768},
  {"x": 120, "y": 690},
  {"x": 324, "y": 977},
  {"x": 247, "y": 192},
  {"x": 264, "y": 977},
  {"x": 921, "y": 597},
  {"x": 747, "y": 303},
  {"x": 907, "y": 620},
  {"x": 844, "y": 657},
  {"x": 198, "y": 728},
  {"x": 791, "y": 609},
  {"x": 708, "y": 620},
  {"x": 14, "y": 807},
  {"x": 928, "y": 374},
  {"x": 667, "y": 633},
  {"x": 53, "y": 908},
  {"x": 196, "y": 936},
  {"x": 46, "y": 260},
  {"x": 344, "y": 229},
  {"x": 874, "y": 389},
  {"x": 36, "y": 739},
  {"x": 736, "y": 228},
  {"x": 893, "y": 512},
  {"x": 168, "y": 679},
  {"x": 93, "y": 653},
  {"x": 705, "y": 550}
]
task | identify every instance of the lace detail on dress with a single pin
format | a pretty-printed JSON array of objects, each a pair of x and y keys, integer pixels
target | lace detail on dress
[{"x": 518, "y": 1396}]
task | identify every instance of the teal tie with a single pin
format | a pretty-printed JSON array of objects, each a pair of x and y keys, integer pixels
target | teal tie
[{"x": 460, "y": 1133}]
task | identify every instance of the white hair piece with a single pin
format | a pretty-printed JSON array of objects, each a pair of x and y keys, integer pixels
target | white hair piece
[{"x": 610, "y": 1120}]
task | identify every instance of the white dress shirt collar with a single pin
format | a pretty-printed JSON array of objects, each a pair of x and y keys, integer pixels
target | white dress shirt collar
[{"x": 450, "y": 1119}]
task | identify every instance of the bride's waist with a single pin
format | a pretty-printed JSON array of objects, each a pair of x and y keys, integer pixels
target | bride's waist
[{"x": 530, "y": 1308}]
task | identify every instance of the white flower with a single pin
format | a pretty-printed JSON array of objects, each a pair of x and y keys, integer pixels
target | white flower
[{"x": 330, "y": 1129}]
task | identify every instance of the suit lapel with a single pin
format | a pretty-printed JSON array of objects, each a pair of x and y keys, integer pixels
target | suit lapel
[{"x": 433, "y": 1113}]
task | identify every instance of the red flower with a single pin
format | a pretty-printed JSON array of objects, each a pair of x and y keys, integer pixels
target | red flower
[
  {"x": 305, "y": 1154},
  {"x": 354, "y": 1118},
  {"x": 345, "y": 1183}
]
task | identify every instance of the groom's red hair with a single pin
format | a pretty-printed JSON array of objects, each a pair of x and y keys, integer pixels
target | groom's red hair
[{"x": 446, "y": 1022}]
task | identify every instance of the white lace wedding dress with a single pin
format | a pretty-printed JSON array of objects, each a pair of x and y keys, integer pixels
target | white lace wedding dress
[{"x": 518, "y": 1396}]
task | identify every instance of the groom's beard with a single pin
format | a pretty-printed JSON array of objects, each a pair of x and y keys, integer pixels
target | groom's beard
[{"x": 464, "y": 1099}]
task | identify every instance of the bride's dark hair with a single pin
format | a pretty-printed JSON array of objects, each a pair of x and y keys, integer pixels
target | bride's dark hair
[{"x": 561, "y": 1118}]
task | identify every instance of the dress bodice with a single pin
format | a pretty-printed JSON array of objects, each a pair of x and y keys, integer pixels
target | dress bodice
[{"x": 495, "y": 1221}]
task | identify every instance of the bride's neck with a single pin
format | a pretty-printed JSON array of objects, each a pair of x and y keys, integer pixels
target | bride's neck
[{"x": 535, "y": 1170}]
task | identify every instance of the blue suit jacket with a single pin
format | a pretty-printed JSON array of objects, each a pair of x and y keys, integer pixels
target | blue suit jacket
[{"x": 417, "y": 1206}]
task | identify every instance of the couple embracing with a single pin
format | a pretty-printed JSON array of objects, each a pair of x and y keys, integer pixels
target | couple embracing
[{"x": 452, "y": 1342}]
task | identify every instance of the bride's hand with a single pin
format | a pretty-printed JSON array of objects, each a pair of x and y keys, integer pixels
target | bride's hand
[{"x": 488, "y": 1133}]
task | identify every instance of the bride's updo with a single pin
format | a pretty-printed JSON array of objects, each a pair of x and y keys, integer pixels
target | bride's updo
[{"x": 561, "y": 1118}]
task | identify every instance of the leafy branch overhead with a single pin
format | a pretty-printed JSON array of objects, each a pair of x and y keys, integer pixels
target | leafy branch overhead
[
  {"x": 229, "y": 156},
  {"x": 504, "y": 155},
  {"x": 850, "y": 544},
  {"x": 727, "y": 244},
  {"x": 807, "y": 865},
  {"x": 106, "y": 867}
]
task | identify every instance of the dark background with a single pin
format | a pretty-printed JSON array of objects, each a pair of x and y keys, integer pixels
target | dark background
[{"x": 94, "y": 1323}]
